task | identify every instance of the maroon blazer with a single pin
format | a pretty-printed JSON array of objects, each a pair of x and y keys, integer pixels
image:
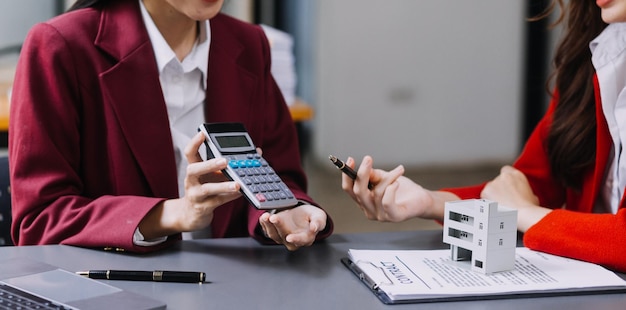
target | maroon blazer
[{"x": 89, "y": 141}]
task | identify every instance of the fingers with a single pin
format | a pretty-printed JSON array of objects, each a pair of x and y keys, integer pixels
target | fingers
[
  {"x": 191, "y": 150},
  {"x": 294, "y": 228},
  {"x": 388, "y": 199},
  {"x": 389, "y": 179},
  {"x": 379, "y": 178},
  {"x": 269, "y": 230},
  {"x": 306, "y": 237},
  {"x": 512, "y": 171},
  {"x": 347, "y": 184},
  {"x": 270, "y": 225},
  {"x": 361, "y": 191},
  {"x": 510, "y": 187},
  {"x": 218, "y": 193},
  {"x": 209, "y": 166},
  {"x": 205, "y": 172},
  {"x": 317, "y": 222},
  {"x": 372, "y": 200},
  {"x": 362, "y": 182},
  {"x": 510, "y": 174},
  {"x": 203, "y": 194},
  {"x": 363, "y": 175},
  {"x": 507, "y": 169}
]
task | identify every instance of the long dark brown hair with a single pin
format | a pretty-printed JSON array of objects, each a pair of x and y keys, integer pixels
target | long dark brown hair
[{"x": 571, "y": 142}]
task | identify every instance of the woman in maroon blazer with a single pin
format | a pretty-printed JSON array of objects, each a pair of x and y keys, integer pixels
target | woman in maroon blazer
[
  {"x": 566, "y": 184},
  {"x": 93, "y": 156}
]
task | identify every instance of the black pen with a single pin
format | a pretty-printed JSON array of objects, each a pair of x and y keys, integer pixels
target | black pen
[
  {"x": 345, "y": 169},
  {"x": 137, "y": 275}
]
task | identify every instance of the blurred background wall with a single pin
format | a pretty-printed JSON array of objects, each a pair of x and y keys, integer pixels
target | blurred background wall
[
  {"x": 17, "y": 16},
  {"x": 423, "y": 83},
  {"x": 419, "y": 82}
]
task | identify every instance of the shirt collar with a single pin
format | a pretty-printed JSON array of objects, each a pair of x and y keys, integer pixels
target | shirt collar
[
  {"x": 608, "y": 45},
  {"x": 197, "y": 58}
]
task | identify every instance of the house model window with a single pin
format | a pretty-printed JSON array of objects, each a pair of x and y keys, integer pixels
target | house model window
[{"x": 481, "y": 233}]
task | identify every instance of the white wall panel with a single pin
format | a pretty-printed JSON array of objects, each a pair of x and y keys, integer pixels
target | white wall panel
[{"x": 419, "y": 82}]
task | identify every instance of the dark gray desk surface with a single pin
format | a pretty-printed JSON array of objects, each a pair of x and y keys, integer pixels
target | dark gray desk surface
[{"x": 246, "y": 275}]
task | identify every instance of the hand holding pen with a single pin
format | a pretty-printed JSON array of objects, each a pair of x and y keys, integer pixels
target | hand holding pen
[
  {"x": 345, "y": 169},
  {"x": 395, "y": 198}
]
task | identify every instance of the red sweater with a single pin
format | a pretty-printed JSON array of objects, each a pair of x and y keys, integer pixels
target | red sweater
[{"x": 571, "y": 230}]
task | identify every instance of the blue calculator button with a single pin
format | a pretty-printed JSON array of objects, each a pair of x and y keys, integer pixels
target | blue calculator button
[{"x": 233, "y": 164}]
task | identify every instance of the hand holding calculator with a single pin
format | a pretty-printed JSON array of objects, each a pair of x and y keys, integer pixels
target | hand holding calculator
[{"x": 259, "y": 182}]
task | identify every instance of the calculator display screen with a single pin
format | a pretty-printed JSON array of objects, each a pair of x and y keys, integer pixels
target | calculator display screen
[{"x": 232, "y": 141}]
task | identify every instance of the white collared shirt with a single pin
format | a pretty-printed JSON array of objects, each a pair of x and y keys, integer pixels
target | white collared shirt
[
  {"x": 184, "y": 87},
  {"x": 609, "y": 59}
]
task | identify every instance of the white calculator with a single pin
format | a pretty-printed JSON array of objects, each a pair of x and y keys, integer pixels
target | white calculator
[{"x": 259, "y": 182}]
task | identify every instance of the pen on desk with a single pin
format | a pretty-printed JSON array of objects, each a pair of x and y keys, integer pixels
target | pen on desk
[
  {"x": 345, "y": 169},
  {"x": 137, "y": 275}
]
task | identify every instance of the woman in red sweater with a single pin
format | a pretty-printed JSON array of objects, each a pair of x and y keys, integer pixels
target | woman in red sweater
[{"x": 568, "y": 183}]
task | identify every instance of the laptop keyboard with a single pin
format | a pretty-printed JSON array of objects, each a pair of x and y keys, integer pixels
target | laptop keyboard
[{"x": 14, "y": 298}]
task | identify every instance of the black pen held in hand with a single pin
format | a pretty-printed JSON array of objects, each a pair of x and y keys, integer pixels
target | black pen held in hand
[
  {"x": 345, "y": 169},
  {"x": 137, "y": 275}
]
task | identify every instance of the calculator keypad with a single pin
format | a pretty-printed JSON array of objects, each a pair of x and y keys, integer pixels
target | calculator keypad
[{"x": 261, "y": 180}]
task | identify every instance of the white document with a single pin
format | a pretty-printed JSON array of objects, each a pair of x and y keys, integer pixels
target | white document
[{"x": 430, "y": 274}]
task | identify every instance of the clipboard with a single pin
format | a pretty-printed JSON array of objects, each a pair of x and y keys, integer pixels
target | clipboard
[
  {"x": 368, "y": 281},
  {"x": 377, "y": 281}
]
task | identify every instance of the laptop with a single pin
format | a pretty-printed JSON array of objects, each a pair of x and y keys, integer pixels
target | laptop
[{"x": 30, "y": 281}]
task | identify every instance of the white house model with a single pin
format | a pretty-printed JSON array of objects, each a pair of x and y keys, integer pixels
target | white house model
[{"x": 481, "y": 232}]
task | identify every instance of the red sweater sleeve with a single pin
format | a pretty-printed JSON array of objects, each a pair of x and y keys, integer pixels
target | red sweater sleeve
[{"x": 595, "y": 238}]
